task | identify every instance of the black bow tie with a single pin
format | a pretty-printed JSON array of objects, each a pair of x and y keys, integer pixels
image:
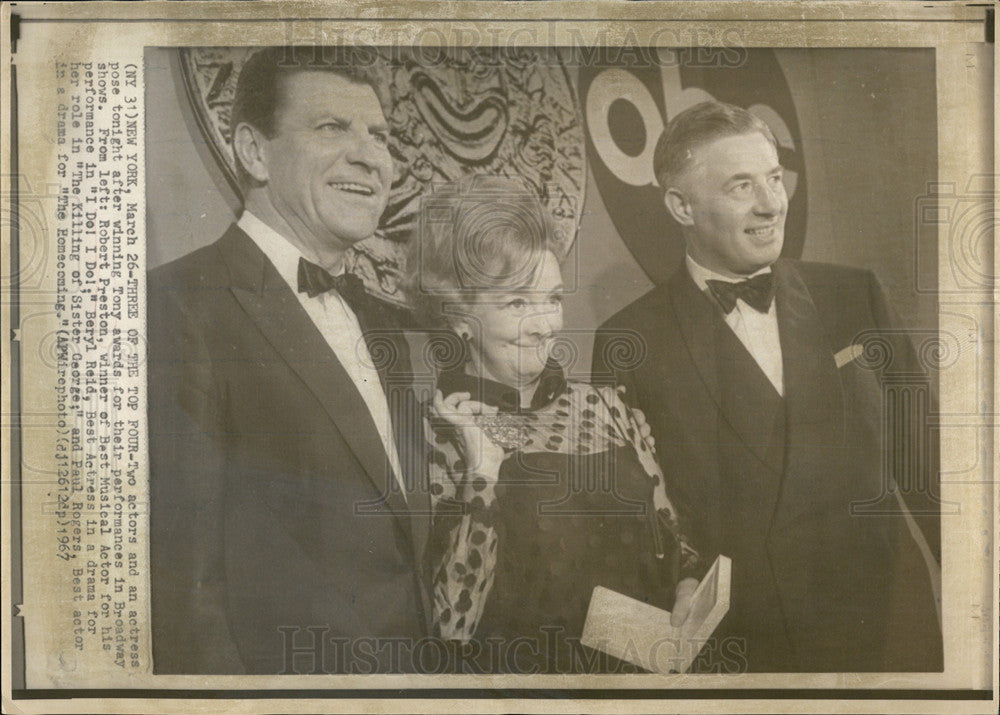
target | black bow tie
[
  {"x": 757, "y": 292},
  {"x": 314, "y": 280}
]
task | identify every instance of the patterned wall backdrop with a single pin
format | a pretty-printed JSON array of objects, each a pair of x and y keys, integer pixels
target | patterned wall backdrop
[
  {"x": 540, "y": 114},
  {"x": 510, "y": 112}
]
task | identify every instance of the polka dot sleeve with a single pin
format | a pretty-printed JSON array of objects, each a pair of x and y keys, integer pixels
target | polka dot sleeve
[{"x": 464, "y": 538}]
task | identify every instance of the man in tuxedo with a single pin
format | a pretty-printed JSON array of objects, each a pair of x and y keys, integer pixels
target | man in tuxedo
[
  {"x": 758, "y": 376},
  {"x": 285, "y": 532}
]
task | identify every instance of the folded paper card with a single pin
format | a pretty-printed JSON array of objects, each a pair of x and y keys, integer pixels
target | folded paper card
[{"x": 641, "y": 634}]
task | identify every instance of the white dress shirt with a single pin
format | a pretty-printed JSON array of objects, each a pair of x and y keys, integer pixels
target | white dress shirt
[
  {"x": 757, "y": 331},
  {"x": 339, "y": 327}
]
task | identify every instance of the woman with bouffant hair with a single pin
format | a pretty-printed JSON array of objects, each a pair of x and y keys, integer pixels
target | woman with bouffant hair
[{"x": 543, "y": 488}]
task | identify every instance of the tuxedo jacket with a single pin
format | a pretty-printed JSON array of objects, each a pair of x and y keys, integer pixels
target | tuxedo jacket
[
  {"x": 797, "y": 490},
  {"x": 279, "y": 536}
]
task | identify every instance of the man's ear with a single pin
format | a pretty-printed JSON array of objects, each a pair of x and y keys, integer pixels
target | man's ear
[
  {"x": 678, "y": 206},
  {"x": 248, "y": 146}
]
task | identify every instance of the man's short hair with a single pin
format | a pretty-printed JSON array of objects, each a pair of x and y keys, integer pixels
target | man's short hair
[
  {"x": 258, "y": 89},
  {"x": 704, "y": 122}
]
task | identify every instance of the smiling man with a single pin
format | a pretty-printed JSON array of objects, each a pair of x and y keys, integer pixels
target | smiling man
[
  {"x": 772, "y": 425},
  {"x": 285, "y": 535}
]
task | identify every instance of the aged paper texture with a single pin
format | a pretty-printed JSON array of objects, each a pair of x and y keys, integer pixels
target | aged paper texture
[{"x": 208, "y": 507}]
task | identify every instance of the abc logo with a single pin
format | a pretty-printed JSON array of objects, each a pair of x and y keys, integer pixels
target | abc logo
[{"x": 626, "y": 104}]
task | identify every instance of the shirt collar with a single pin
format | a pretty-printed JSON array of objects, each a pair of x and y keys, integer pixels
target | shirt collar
[
  {"x": 551, "y": 384},
  {"x": 701, "y": 275},
  {"x": 278, "y": 249}
]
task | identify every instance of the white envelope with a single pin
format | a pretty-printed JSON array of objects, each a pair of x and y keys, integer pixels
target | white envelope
[{"x": 641, "y": 634}]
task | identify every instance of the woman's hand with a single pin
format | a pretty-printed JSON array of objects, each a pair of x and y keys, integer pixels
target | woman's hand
[
  {"x": 616, "y": 397},
  {"x": 682, "y": 602},
  {"x": 645, "y": 431},
  {"x": 482, "y": 455}
]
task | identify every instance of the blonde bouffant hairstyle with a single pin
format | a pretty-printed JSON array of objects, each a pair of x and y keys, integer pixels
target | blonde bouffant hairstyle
[{"x": 475, "y": 236}]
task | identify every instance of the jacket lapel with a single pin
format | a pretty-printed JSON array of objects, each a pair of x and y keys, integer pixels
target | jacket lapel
[
  {"x": 384, "y": 326},
  {"x": 696, "y": 320},
  {"x": 413, "y": 450},
  {"x": 704, "y": 331},
  {"x": 276, "y": 311},
  {"x": 815, "y": 403}
]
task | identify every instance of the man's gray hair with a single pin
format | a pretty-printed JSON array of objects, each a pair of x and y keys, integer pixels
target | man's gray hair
[{"x": 703, "y": 123}]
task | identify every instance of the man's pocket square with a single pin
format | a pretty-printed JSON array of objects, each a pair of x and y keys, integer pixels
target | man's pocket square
[{"x": 848, "y": 354}]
